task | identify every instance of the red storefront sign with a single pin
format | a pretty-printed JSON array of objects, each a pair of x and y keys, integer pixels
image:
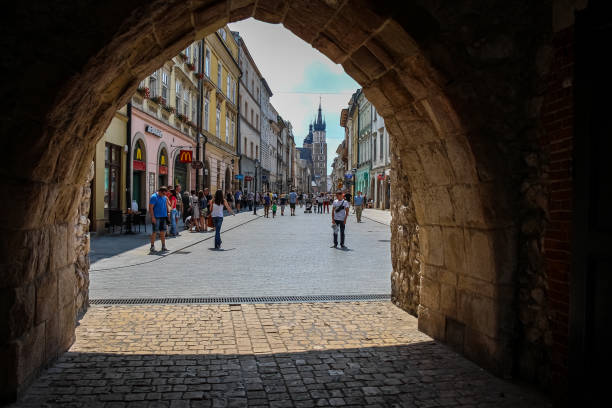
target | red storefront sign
[
  {"x": 138, "y": 165},
  {"x": 381, "y": 176},
  {"x": 163, "y": 169},
  {"x": 186, "y": 156},
  {"x": 248, "y": 178}
]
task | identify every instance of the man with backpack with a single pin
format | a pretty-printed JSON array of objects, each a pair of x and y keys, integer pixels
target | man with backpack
[{"x": 339, "y": 215}]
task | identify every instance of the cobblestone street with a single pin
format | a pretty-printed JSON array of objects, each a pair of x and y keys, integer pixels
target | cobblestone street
[
  {"x": 277, "y": 355},
  {"x": 262, "y": 257}
]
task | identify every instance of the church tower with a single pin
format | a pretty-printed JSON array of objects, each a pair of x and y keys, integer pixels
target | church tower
[{"x": 319, "y": 152}]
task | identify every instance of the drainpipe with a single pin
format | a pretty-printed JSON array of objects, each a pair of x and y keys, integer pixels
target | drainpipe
[
  {"x": 199, "y": 114},
  {"x": 128, "y": 178}
]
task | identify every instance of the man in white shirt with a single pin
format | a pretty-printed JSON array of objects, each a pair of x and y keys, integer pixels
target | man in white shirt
[{"x": 339, "y": 216}]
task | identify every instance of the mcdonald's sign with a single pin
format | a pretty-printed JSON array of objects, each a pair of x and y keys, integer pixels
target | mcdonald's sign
[{"x": 186, "y": 156}]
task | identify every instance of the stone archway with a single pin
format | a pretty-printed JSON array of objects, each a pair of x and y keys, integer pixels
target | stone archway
[{"x": 449, "y": 83}]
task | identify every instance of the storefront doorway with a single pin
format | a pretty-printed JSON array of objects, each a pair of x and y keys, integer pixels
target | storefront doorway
[
  {"x": 139, "y": 167},
  {"x": 163, "y": 168},
  {"x": 181, "y": 172}
]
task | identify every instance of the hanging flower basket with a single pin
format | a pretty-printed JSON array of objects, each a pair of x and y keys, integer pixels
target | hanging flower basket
[
  {"x": 183, "y": 56},
  {"x": 144, "y": 92},
  {"x": 199, "y": 75},
  {"x": 190, "y": 66},
  {"x": 169, "y": 109}
]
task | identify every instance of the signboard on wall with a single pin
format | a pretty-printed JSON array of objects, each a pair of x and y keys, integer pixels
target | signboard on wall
[
  {"x": 153, "y": 130},
  {"x": 138, "y": 165},
  {"x": 163, "y": 169},
  {"x": 186, "y": 156}
]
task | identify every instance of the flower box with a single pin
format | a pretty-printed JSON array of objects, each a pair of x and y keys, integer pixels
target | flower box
[
  {"x": 183, "y": 56},
  {"x": 190, "y": 66},
  {"x": 169, "y": 109},
  {"x": 158, "y": 100},
  {"x": 199, "y": 75}
]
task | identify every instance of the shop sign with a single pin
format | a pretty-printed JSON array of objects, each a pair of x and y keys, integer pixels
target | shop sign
[
  {"x": 348, "y": 176},
  {"x": 239, "y": 176},
  {"x": 163, "y": 169},
  {"x": 139, "y": 165},
  {"x": 186, "y": 156},
  {"x": 381, "y": 177},
  {"x": 153, "y": 130},
  {"x": 248, "y": 178},
  {"x": 198, "y": 165}
]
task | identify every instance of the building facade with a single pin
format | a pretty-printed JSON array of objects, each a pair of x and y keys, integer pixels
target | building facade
[
  {"x": 319, "y": 152},
  {"x": 220, "y": 110},
  {"x": 268, "y": 138},
  {"x": 364, "y": 148},
  {"x": 381, "y": 163},
  {"x": 250, "y": 123}
]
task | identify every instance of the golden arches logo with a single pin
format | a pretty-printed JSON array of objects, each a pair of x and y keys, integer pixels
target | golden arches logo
[
  {"x": 186, "y": 156},
  {"x": 138, "y": 154}
]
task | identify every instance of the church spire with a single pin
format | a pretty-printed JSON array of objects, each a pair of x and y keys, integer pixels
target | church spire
[{"x": 319, "y": 124}]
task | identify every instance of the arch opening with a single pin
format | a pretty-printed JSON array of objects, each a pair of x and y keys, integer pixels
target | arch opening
[{"x": 459, "y": 137}]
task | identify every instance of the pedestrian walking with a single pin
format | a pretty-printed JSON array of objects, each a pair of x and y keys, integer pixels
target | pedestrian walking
[
  {"x": 267, "y": 202},
  {"x": 301, "y": 200},
  {"x": 320, "y": 203},
  {"x": 186, "y": 206},
  {"x": 238, "y": 197},
  {"x": 326, "y": 203},
  {"x": 216, "y": 209},
  {"x": 158, "y": 208},
  {"x": 339, "y": 216},
  {"x": 229, "y": 197},
  {"x": 204, "y": 211},
  {"x": 173, "y": 213},
  {"x": 283, "y": 203},
  {"x": 358, "y": 205},
  {"x": 194, "y": 203},
  {"x": 251, "y": 197},
  {"x": 274, "y": 209},
  {"x": 292, "y": 200},
  {"x": 179, "y": 205}
]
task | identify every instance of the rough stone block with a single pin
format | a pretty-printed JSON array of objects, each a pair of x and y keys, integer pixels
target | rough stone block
[
  {"x": 483, "y": 349},
  {"x": 210, "y": 17},
  {"x": 46, "y": 296},
  {"x": 431, "y": 323},
  {"x": 30, "y": 351},
  {"x": 398, "y": 43},
  {"x": 67, "y": 285},
  {"x": 467, "y": 205},
  {"x": 432, "y": 245},
  {"x": 461, "y": 159},
  {"x": 330, "y": 49},
  {"x": 430, "y": 293},
  {"x": 480, "y": 255},
  {"x": 435, "y": 163},
  {"x": 26, "y": 254},
  {"x": 67, "y": 323},
  {"x": 454, "y": 249},
  {"x": 270, "y": 11},
  {"x": 437, "y": 206},
  {"x": 448, "y": 300},
  {"x": 455, "y": 334},
  {"x": 478, "y": 312},
  {"x": 476, "y": 286},
  {"x": 53, "y": 337},
  {"x": 18, "y": 308},
  {"x": 439, "y": 274},
  {"x": 58, "y": 246}
]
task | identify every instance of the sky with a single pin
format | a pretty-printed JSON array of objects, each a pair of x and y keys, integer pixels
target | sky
[{"x": 298, "y": 76}]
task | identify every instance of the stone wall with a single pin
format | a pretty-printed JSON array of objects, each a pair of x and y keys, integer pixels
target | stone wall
[{"x": 81, "y": 235}]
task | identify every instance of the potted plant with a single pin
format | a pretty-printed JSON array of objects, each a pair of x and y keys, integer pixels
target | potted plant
[
  {"x": 157, "y": 99},
  {"x": 199, "y": 75},
  {"x": 169, "y": 109},
  {"x": 190, "y": 66},
  {"x": 144, "y": 92}
]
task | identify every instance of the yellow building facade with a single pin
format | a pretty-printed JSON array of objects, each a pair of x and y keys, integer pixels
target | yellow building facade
[
  {"x": 220, "y": 110},
  {"x": 110, "y": 165}
]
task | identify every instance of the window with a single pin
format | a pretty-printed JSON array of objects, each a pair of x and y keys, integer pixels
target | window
[
  {"x": 112, "y": 176},
  {"x": 233, "y": 129},
  {"x": 245, "y": 147},
  {"x": 251, "y": 149},
  {"x": 196, "y": 55},
  {"x": 321, "y": 149},
  {"x": 194, "y": 105},
  {"x": 207, "y": 63},
  {"x": 257, "y": 121},
  {"x": 247, "y": 77},
  {"x": 246, "y": 109},
  {"x": 222, "y": 33},
  {"x": 374, "y": 145},
  {"x": 218, "y": 124},
  {"x": 153, "y": 84},
  {"x": 251, "y": 117},
  {"x": 382, "y": 144},
  {"x": 256, "y": 152},
  {"x": 228, "y": 86},
  {"x": 219, "y": 68},
  {"x": 186, "y": 97},
  {"x": 188, "y": 53},
  {"x": 227, "y": 128},
  {"x": 234, "y": 91},
  {"x": 177, "y": 96},
  {"x": 252, "y": 85},
  {"x": 206, "y": 108},
  {"x": 164, "y": 84}
]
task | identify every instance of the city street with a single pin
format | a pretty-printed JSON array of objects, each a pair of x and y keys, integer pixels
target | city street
[{"x": 284, "y": 256}]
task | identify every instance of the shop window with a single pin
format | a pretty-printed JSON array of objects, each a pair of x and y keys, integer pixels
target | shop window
[{"x": 112, "y": 176}]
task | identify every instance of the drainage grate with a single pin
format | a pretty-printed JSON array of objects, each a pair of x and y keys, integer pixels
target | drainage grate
[{"x": 242, "y": 300}]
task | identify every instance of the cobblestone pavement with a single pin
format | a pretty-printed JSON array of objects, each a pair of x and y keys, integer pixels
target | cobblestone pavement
[
  {"x": 277, "y": 355},
  {"x": 380, "y": 216},
  {"x": 284, "y": 256}
]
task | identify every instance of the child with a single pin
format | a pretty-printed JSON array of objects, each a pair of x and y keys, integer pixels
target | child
[
  {"x": 274, "y": 209},
  {"x": 189, "y": 223}
]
